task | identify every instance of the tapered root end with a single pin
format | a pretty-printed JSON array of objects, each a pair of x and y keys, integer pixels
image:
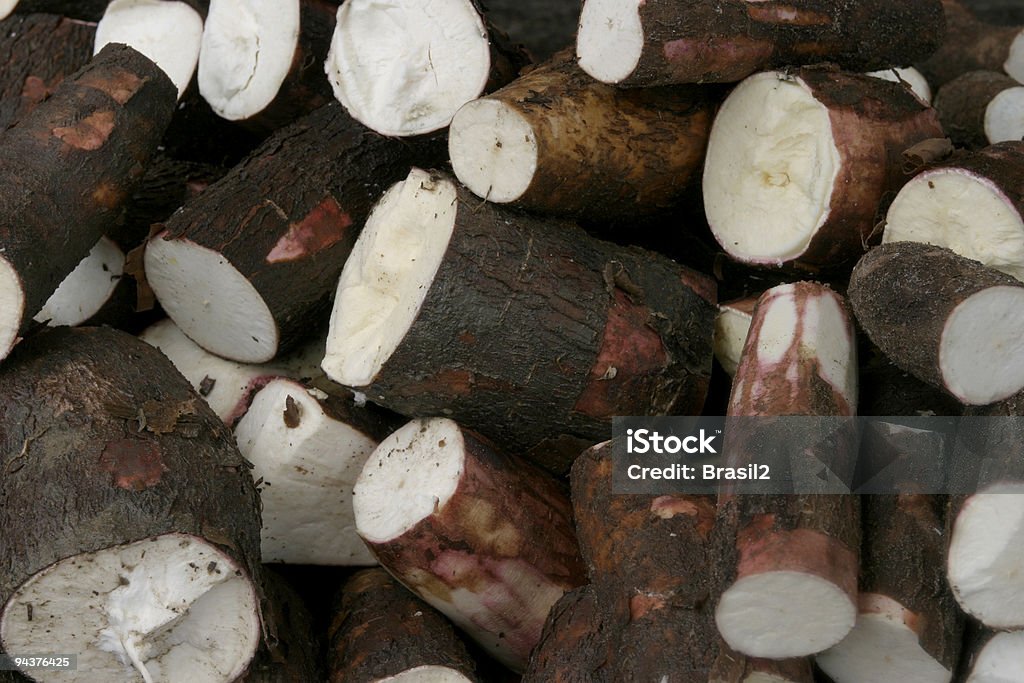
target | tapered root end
[
  {"x": 610, "y": 39},
  {"x": 170, "y": 608},
  {"x": 411, "y": 475},
  {"x": 210, "y": 300}
]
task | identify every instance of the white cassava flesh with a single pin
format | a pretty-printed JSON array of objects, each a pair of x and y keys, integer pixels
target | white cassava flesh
[
  {"x": 388, "y": 275},
  {"x": 412, "y": 474},
  {"x": 1000, "y": 661},
  {"x": 308, "y": 463},
  {"x": 1004, "y": 116},
  {"x": 493, "y": 150},
  {"x": 984, "y": 368},
  {"x": 610, "y": 39},
  {"x": 962, "y": 211},
  {"x": 882, "y": 647},
  {"x": 909, "y": 76},
  {"x": 985, "y": 563},
  {"x": 247, "y": 51},
  {"x": 731, "y": 328},
  {"x": 771, "y": 166},
  {"x": 213, "y": 303},
  {"x": 405, "y": 68},
  {"x": 166, "y": 609},
  {"x": 1014, "y": 64},
  {"x": 84, "y": 292},
  {"x": 169, "y": 33},
  {"x": 12, "y": 305},
  {"x": 817, "y": 614},
  {"x": 6, "y": 7},
  {"x": 427, "y": 674}
]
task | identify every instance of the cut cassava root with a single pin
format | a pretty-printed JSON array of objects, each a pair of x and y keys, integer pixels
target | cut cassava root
[
  {"x": 131, "y": 524},
  {"x": 980, "y": 108},
  {"x": 405, "y": 68},
  {"x": 300, "y": 200},
  {"x": 659, "y": 42},
  {"x": 484, "y": 538},
  {"x": 972, "y": 204},
  {"x": 527, "y": 330},
  {"x": 970, "y": 45},
  {"x": 382, "y": 633},
  {"x": 555, "y": 141},
  {"x": 946, "y": 319},
  {"x": 67, "y": 170},
  {"x": 808, "y": 156}
]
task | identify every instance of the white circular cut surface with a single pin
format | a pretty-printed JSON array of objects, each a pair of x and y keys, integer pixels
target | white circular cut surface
[
  {"x": 1004, "y": 116},
  {"x": 6, "y": 7},
  {"x": 162, "y": 610},
  {"x": 493, "y": 150},
  {"x": 784, "y": 614},
  {"x": 731, "y": 328},
  {"x": 404, "y": 67},
  {"x": 981, "y": 353},
  {"x": 427, "y": 674},
  {"x": 610, "y": 38},
  {"x": 307, "y": 467},
  {"x": 985, "y": 563},
  {"x": 963, "y": 212},
  {"x": 210, "y": 300},
  {"x": 770, "y": 170},
  {"x": 1000, "y": 661},
  {"x": 411, "y": 474},
  {"x": 909, "y": 76},
  {"x": 84, "y": 292},
  {"x": 247, "y": 51},
  {"x": 12, "y": 306},
  {"x": 169, "y": 33},
  {"x": 1014, "y": 64},
  {"x": 881, "y": 648},
  {"x": 388, "y": 275}
]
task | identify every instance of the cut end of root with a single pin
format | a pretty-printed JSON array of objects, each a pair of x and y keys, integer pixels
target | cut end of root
[
  {"x": 405, "y": 68},
  {"x": 985, "y": 563},
  {"x": 12, "y": 306},
  {"x": 247, "y": 51},
  {"x": 782, "y": 614},
  {"x": 213, "y": 303},
  {"x": 731, "y": 328},
  {"x": 411, "y": 475},
  {"x": 388, "y": 275},
  {"x": 963, "y": 212},
  {"x": 170, "y": 608},
  {"x": 493, "y": 150},
  {"x": 84, "y": 292},
  {"x": 771, "y": 166},
  {"x": 427, "y": 674},
  {"x": 1000, "y": 661},
  {"x": 984, "y": 367},
  {"x": 308, "y": 464},
  {"x": 610, "y": 40},
  {"x": 6, "y": 7},
  {"x": 1004, "y": 116},
  {"x": 881, "y": 647},
  {"x": 1014, "y": 64},
  {"x": 910, "y": 77},
  {"x": 169, "y": 33}
]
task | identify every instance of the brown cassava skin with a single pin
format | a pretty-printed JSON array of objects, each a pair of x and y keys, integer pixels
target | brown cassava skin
[
  {"x": 969, "y": 45},
  {"x": 91, "y": 140},
  {"x": 288, "y": 215},
  {"x": 699, "y": 42},
  {"x": 962, "y": 104},
  {"x": 524, "y": 322},
  {"x": 652, "y": 562},
  {"x": 293, "y": 654},
  {"x": 67, "y": 397},
  {"x": 873, "y": 122},
  {"x": 903, "y": 294},
  {"x": 605, "y": 153},
  {"x": 38, "y": 51},
  {"x": 380, "y": 629},
  {"x": 732, "y": 667},
  {"x": 504, "y": 541},
  {"x": 903, "y": 560}
]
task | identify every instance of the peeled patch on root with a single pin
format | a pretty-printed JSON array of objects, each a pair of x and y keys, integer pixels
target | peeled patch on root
[
  {"x": 788, "y": 15},
  {"x": 703, "y": 512},
  {"x": 324, "y": 226},
  {"x": 119, "y": 84},
  {"x": 135, "y": 465},
  {"x": 90, "y": 133},
  {"x": 720, "y": 58}
]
